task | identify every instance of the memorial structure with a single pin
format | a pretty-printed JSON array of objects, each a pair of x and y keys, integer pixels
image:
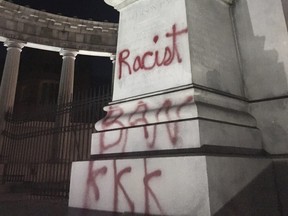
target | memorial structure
[
  {"x": 198, "y": 121},
  {"x": 22, "y": 27}
]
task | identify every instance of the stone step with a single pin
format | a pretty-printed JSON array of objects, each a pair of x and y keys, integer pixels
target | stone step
[{"x": 186, "y": 185}]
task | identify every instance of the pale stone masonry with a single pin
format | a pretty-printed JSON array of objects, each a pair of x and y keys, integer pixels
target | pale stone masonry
[{"x": 199, "y": 96}]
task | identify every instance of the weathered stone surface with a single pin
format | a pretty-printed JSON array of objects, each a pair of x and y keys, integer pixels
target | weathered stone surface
[
  {"x": 214, "y": 61},
  {"x": 263, "y": 40},
  {"x": 241, "y": 187},
  {"x": 197, "y": 185},
  {"x": 177, "y": 48},
  {"x": 148, "y": 53},
  {"x": 187, "y": 118},
  {"x": 190, "y": 134},
  {"x": 272, "y": 120},
  {"x": 194, "y": 97}
]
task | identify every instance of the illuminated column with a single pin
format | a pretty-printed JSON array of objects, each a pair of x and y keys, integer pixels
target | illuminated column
[
  {"x": 61, "y": 145},
  {"x": 67, "y": 75},
  {"x": 9, "y": 81},
  {"x": 9, "y": 78}
]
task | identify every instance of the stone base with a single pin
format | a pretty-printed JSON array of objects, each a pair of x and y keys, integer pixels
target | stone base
[
  {"x": 188, "y": 134},
  {"x": 272, "y": 120},
  {"x": 180, "y": 119},
  {"x": 188, "y": 185}
]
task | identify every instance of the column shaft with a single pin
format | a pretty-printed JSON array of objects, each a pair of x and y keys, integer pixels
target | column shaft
[
  {"x": 9, "y": 81},
  {"x": 67, "y": 76},
  {"x": 10, "y": 76}
]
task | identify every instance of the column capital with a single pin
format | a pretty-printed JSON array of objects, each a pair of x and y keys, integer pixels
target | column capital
[
  {"x": 68, "y": 53},
  {"x": 14, "y": 44}
]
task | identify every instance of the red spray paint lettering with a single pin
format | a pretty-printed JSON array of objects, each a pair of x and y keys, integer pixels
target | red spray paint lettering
[
  {"x": 147, "y": 189},
  {"x": 170, "y": 54},
  {"x": 138, "y": 117},
  {"x": 110, "y": 120},
  {"x": 118, "y": 185},
  {"x": 142, "y": 108},
  {"x": 148, "y": 176},
  {"x": 92, "y": 182}
]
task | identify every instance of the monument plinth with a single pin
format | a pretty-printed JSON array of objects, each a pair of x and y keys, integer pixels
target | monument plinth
[{"x": 177, "y": 138}]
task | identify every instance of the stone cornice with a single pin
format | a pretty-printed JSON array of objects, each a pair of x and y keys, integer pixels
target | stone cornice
[{"x": 53, "y": 32}]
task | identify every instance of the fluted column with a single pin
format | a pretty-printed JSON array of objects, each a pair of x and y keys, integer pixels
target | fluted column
[{"x": 67, "y": 75}]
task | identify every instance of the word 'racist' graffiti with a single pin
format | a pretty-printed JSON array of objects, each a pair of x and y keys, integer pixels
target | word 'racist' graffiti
[{"x": 152, "y": 58}]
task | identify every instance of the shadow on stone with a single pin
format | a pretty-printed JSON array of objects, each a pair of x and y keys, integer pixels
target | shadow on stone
[
  {"x": 257, "y": 198},
  {"x": 264, "y": 76}
]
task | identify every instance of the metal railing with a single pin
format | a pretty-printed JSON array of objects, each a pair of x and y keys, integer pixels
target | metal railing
[{"x": 39, "y": 146}]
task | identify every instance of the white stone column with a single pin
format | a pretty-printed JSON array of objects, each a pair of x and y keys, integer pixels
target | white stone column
[
  {"x": 60, "y": 141},
  {"x": 67, "y": 75},
  {"x": 9, "y": 80},
  {"x": 9, "y": 77}
]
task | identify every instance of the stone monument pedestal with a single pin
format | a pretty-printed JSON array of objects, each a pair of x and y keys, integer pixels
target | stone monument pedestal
[
  {"x": 182, "y": 185},
  {"x": 178, "y": 138}
]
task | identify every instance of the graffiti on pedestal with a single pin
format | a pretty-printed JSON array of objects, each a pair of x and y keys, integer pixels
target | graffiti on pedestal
[
  {"x": 119, "y": 175},
  {"x": 139, "y": 118},
  {"x": 152, "y": 58}
]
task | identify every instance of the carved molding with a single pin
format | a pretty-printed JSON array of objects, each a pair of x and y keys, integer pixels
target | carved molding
[{"x": 119, "y": 4}]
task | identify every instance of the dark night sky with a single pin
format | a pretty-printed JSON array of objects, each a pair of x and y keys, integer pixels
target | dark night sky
[{"x": 88, "y": 70}]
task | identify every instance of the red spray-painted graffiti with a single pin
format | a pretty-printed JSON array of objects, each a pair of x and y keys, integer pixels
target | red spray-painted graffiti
[
  {"x": 118, "y": 185},
  {"x": 93, "y": 177},
  {"x": 137, "y": 118},
  {"x": 148, "y": 177},
  {"x": 140, "y": 62},
  {"x": 111, "y": 120},
  {"x": 91, "y": 183}
]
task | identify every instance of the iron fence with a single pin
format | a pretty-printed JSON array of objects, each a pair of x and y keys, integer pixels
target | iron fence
[{"x": 40, "y": 145}]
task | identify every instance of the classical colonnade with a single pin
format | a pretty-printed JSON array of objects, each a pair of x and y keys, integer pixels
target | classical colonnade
[
  {"x": 11, "y": 70},
  {"x": 22, "y": 27}
]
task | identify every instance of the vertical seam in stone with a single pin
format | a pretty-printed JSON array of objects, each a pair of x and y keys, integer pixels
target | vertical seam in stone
[{"x": 238, "y": 52}]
